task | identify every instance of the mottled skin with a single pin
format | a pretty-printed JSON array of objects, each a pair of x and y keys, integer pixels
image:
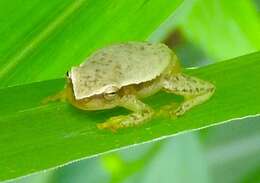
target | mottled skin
[{"x": 194, "y": 90}]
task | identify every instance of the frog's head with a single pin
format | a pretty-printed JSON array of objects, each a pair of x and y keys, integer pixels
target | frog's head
[{"x": 108, "y": 99}]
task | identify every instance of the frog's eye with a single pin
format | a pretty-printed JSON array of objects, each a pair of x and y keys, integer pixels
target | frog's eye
[
  {"x": 67, "y": 74},
  {"x": 110, "y": 96},
  {"x": 110, "y": 92}
]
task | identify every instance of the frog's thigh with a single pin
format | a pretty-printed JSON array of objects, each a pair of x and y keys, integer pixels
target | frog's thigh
[
  {"x": 194, "y": 90},
  {"x": 141, "y": 113}
]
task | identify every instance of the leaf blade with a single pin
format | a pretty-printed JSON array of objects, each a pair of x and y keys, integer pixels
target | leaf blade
[{"x": 55, "y": 134}]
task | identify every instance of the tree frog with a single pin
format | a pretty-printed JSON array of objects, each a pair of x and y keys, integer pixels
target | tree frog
[{"x": 122, "y": 74}]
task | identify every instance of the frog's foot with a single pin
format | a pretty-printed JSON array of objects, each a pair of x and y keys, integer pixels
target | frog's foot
[
  {"x": 194, "y": 90},
  {"x": 125, "y": 121},
  {"x": 60, "y": 96},
  {"x": 168, "y": 110},
  {"x": 112, "y": 123},
  {"x": 141, "y": 114},
  {"x": 190, "y": 102}
]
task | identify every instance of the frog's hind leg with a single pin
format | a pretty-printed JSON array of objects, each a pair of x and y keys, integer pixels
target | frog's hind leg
[
  {"x": 194, "y": 90},
  {"x": 141, "y": 114}
]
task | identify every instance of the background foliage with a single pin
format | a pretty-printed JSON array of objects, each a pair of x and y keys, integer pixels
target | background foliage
[{"x": 201, "y": 32}]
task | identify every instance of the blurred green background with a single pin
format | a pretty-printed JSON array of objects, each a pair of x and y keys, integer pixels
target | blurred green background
[{"x": 201, "y": 32}]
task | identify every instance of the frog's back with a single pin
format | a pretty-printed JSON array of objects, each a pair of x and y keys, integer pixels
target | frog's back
[{"x": 119, "y": 65}]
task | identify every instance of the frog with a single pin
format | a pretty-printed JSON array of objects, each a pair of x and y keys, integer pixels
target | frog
[{"x": 122, "y": 74}]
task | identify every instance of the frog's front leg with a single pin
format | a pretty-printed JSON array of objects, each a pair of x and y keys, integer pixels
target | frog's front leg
[
  {"x": 194, "y": 90},
  {"x": 141, "y": 114}
]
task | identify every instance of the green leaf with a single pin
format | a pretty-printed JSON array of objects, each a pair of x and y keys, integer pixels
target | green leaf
[
  {"x": 42, "y": 39},
  {"x": 36, "y": 137},
  {"x": 224, "y": 29}
]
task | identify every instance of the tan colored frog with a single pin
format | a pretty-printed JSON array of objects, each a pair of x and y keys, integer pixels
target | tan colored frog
[{"x": 123, "y": 74}]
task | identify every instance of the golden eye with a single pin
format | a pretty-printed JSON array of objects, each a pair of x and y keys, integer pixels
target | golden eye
[
  {"x": 110, "y": 96},
  {"x": 110, "y": 93}
]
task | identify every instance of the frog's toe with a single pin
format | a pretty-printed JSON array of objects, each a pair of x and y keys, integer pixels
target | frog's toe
[
  {"x": 179, "y": 112},
  {"x": 112, "y": 123},
  {"x": 182, "y": 108},
  {"x": 104, "y": 126},
  {"x": 168, "y": 111}
]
